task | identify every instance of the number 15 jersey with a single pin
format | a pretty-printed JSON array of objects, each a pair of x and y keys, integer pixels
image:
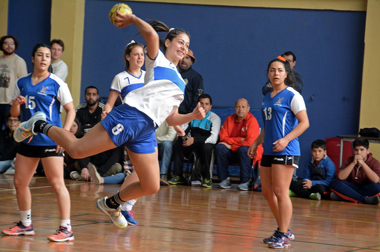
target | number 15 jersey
[{"x": 279, "y": 119}]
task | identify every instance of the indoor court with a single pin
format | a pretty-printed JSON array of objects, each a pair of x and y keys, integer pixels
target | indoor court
[{"x": 183, "y": 218}]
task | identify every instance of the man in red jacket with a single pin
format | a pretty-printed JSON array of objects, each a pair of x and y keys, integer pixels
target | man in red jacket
[{"x": 238, "y": 133}]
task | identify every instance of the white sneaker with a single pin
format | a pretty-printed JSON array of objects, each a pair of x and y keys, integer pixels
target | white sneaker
[
  {"x": 75, "y": 175},
  {"x": 25, "y": 129},
  {"x": 94, "y": 174},
  {"x": 225, "y": 184},
  {"x": 114, "y": 214}
]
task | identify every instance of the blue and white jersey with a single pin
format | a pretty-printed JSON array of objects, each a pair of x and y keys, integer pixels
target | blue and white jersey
[
  {"x": 46, "y": 96},
  {"x": 125, "y": 82},
  {"x": 162, "y": 91},
  {"x": 279, "y": 119}
]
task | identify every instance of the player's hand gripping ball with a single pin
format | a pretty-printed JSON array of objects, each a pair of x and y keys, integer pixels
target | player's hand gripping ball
[{"x": 122, "y": 8}]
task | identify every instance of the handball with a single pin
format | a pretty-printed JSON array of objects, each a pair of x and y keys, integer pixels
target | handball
[{"x": 122, "y": 8}]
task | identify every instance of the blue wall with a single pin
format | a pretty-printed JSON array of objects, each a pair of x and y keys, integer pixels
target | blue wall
[
  {"x": 29, "y": 22},
  {"x": 233, "y": 47}
]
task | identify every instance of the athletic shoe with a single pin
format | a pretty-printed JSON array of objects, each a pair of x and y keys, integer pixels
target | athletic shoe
[
  {"x": 177, "y": 180},
  {"x": 243, "y": 186},
  {"x": 207, "y": 183},
  {"x": 94, "y": 174},
  {"x": 315, "y": 196},
  {"x": 128, "y": 215},
  {"x": 292, "y": 194},
  {"x": 372, "y": 200},
  {"x": 281, "y": 241},
  {"x": 290, "y": 235},
  {"x": 196, "y": 183},
  {"x": 19, "y": 229},
  {"x": 114, "y": 214},
  {"x": 271, "y": 239},
  {"x": 25, "y": 129},
  {"x": 225, "y": 184},
  {"x": 62, "y": 235},
  {"x": 75, "y": 175}
]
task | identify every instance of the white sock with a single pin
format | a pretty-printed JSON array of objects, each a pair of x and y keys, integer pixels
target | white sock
[
  {"x": 26, "y": 217},
  {"x": 128, "y": 205},
  {"x": 66, "y": 223}
]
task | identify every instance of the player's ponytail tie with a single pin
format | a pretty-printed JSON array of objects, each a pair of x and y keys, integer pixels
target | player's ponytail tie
[
  {"x": 171, "y": 29},
  {"x": 132, "y": 42},
  {"x": 281, "y": 58}
]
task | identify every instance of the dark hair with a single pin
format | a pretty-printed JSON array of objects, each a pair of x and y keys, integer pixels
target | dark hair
[
  {"x": 319, "y": 143},
  {"x": 35, "y": 48},
  {"x": 205, "y": 96},
  {"x": 97, "y": 91},
  {"x": 9, "y": 116},
  {"x": 128, "y": 49},
  {"x": 3, "y": 38},
  {"x": 159, "y": 26},
  {"x": 59, "y": 42},
  {"x": 361, "y": 142},
  {"x": 290, "y": 80},
  {"x": 288, "y": 53},
  {"x": 79, "y": 132}
]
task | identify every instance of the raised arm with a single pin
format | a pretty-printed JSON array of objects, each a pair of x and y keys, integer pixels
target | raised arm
[{"x": 146, "y": 31}]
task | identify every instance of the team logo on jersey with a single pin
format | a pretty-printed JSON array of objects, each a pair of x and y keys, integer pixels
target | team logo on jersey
[
  {"x": 43, "y": 91},
  {"x": 278, "y": 103}
]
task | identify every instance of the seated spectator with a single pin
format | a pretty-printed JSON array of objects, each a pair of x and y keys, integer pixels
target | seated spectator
[
  {"x": 358, "y": 177},
  {"x": 165, "y": 136},
  {"x": 106, "y": 163},
  {"x": 318, "y": 174},
  {"x": 8, "y": 145},
  {"x": 201, "y": 136},
  {"x": 89, "y": 113},
  {"x": 236, "y": 136}
]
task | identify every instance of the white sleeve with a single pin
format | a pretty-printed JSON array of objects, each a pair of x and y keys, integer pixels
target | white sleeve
[
  {"x": 297, "y": 104},
  {"x": 64, "y": 95},
  {"x": 215, "y": 128},
  {"x": 116, "y": 83}
]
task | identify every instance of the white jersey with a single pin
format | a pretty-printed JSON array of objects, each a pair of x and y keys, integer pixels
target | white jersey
[
  {"x": 60, "y": 69},
  {"x": 125, "y": 82},
  {"x": 46, "y": 96},
  {"x": 163, "y": 89}
]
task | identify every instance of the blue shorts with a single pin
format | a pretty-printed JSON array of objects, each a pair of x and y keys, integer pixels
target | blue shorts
[{"x": 131, "y": 127}]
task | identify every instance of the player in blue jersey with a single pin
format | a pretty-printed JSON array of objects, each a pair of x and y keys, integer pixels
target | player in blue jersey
[
  {"x": 41, "y": 91},
  {"x": 135, "y": 121},
  {"x": 285, "y": 118}
]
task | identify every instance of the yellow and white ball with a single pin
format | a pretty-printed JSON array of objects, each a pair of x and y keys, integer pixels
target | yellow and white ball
[{"x": 122, "y": 8}]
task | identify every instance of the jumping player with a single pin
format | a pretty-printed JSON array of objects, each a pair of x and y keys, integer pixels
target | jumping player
[
  {"x": 135, "y": 121},
  {"x": 285, "y": 118},
  {"x": 41, "y": 91}
]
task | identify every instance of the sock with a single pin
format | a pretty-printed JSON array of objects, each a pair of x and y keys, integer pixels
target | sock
[
  {"x": 114, "y": 201},
  {"x": 41, "y": 127},
  {"x": 66, "y": 224},
  {"x": 128, "y": 205},
  {"x": 26, "y": 217}
]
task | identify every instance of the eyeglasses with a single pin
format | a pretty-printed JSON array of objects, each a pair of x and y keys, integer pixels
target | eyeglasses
[
  {"x": 13, "y": 120},
  {"x": 9, "y": 43}
]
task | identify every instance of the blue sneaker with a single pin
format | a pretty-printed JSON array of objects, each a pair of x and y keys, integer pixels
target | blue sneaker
[
  {"x": 128, "y": 215},
  {"x": 25, "y": 129},
  {"x": 281, "y": 241},
  {"x": 275, "y": 234},
  {"x": 272, "y": 238}
]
